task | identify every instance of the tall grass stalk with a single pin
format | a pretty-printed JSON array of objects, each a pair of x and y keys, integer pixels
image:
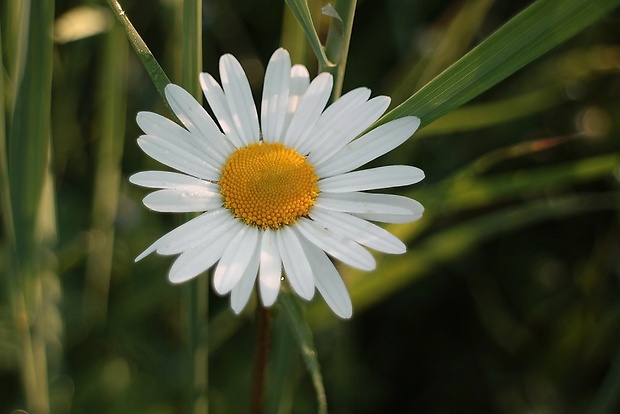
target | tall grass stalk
[
  {"x": 196, "y": 291},
  {"x": 111, "y": 120},
  {"x": 27, "y": 180}
]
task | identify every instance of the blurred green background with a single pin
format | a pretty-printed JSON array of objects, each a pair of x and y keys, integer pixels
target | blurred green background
[{"x": 507, "y": 300}]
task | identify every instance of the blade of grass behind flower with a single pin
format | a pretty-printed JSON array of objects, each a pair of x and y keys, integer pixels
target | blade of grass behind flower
[
  {"x": 542, "y": 26},
  {"x": 302, "y": 13},
  {"x": 291, "y": 310},
  {"x": 155, "y": 71}
]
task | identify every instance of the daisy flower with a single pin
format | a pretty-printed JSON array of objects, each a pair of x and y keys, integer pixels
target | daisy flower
[{"x": 278, "y": 195}]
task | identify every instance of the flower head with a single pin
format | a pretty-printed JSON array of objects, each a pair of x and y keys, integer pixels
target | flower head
[{"x": 279, "y": 195}]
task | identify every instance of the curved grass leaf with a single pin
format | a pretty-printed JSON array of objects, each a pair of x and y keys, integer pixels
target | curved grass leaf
[
  {"x": 294, "y": 315},
  {"x": 542, "y": 26},
  {"x": 302, "y": 14}
]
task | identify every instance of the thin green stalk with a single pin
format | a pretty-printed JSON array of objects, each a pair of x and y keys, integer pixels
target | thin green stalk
[
  {"x": 26, "y": 168},
  {"x": 112, "y": 88},
  {"x": 338, "y": 41},
  {"x": 197, "y": 303},
  {"x": 157, "y": 74},
  {"x": 261, "y": 358}
]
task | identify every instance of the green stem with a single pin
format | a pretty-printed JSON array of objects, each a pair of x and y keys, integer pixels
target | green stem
[
  {"x": 338, "y": 41},
  {"x": 157, "y": 74},
  {"x": 198, "y": 298},
  {"x": 263, "y": 340}
]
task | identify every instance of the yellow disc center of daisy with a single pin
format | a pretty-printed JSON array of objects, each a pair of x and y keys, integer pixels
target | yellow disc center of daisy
[{"x": 268, "y": 184}]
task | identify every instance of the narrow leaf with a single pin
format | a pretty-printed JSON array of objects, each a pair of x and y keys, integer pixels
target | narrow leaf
[
  {"x": 291, "y": 309},
  {"x": 155, "y": 71},
  {"x": 542, "y": 26},
  {"x": 302, "y": 14}
]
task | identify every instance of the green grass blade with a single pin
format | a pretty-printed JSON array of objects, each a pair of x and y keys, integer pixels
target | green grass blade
[
  {"x": 542, "y": 26},
  {"x": 155, "y": 71},
  {"x": 291, "y": 310},
  {"x": 29, "y": 137},
  {"x": 302, "y": 14}
]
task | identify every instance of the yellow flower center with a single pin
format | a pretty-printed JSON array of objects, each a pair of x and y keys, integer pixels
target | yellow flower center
[{"x": 268, "y": 184}]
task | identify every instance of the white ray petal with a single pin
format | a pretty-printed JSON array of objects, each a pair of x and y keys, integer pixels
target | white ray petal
[
  {"x": 189, "y": 232},
  {"x": 173, "y": 200},
  {"x": 328, "y": 281},
  {"x": 352, "y": 125},
  {"x": 198, "y": 259},
  {"x": 336, "y": 245},
  {"x": 198, "y": 122},
  {"x": 359, "y": 230},
  {"x": 202, "y": 230},
  {"x": 270, "y": 268},
  {"x": 275, "y": 95},
  {"x": 334, "y": 119},
  {"x": 235, "y": 260},
  {"x": 239, "y": 97},
  {"x": 217, "y": 101},
  {"x": 417, "y": 211},
  {"x": 366, "y": 148},
  {"x": 367, "y": 203},
  {"x": 300, "y": 79},
  {"x": 167, "y": 179},
  {"x": 371, "y": 179},
  {"x": 178, "y": 155},
  {"x": 309, "y": 110},
  {"x": 240, "y": 294},
  {"x": 295, "y": 262}
]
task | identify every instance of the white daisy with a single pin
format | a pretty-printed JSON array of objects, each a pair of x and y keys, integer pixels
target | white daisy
[{"x": 278, "y": 194}]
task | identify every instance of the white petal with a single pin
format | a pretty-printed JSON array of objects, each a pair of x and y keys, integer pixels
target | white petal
[
  {"x": 352, "y": 125},
  {"x": 371, "y": 179},
  {"x": 235, "y": 260},
  {"x": 367, "y": 203},
  {"x": 204, "y": 229},
  {"x": 198, "y": 122},
  {"x": 275, "y": 95},
  {"x": 328, "y": 281},
  {"x": 239, "y": 98},
  {"x": 366, "y": 148},
  {"x": 295, "y": 262},
  {"x": 300, "y": 79},
  {"x": 270, "y": 268},
  {"x": 334, "y": 119},
  {"x": 198, "y": 259},
  {"x": 179, "y": 155},
  {"x": 310, "y": 108},
  {"x": 336, "y": 245},
  {"x": 416, "y": 213},
  {"x": 159, "y": 126},
  {"x": 359, "y": 230},
  {"x": 217, "y": 101},
  {"x": 241, "y": 292},
  {"x": 166, "y": 179},
  {"x": 173, "y": 200}
]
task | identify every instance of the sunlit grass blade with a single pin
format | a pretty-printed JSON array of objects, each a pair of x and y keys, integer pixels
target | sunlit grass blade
[
  {"x": 542, "y": 26},
  {"x": 302, "y": 14},
  {"x": 291, "y": 310},
  {"x": 30, "y": 188},
  {"x": 155, "y": 71}
]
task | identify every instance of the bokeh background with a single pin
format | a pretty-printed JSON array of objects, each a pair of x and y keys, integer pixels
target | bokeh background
[{"x": 507, "y": 300}]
